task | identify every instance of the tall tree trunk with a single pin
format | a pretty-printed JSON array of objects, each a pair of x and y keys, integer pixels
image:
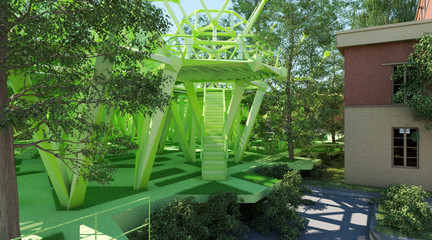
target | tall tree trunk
[
  {"x": 333, "y": 137},
  {"x": 9, "y": 215}
]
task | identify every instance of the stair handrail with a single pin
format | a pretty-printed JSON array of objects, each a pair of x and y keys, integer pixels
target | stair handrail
[
  {"x": 203, "y": 131},
  {"x": 224, "y": 130}
]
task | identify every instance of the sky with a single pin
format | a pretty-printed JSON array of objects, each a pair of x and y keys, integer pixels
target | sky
[{"x": 191, "y": 5}]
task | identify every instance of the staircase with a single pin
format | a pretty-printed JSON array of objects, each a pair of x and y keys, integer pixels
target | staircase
[{"x": 214, "y": 166}]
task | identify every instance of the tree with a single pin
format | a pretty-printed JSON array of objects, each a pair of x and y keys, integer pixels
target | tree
[
  {"x": 303, "y": 30},
  {"x": 381, "y": 12},
  {"x": 48, "y": 53},
  {"x": 331, "y": 110}
]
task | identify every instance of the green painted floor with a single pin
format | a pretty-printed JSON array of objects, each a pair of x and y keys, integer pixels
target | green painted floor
[{"x": 170, "y": 176}]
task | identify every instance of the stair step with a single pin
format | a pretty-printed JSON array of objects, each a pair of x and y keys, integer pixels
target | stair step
[
  {"x": 213, "y": 139},
  {"x": 214, "y": 165},
  {"x": 217, "y": 153},
  {"x": 213, "y": 145},
  {"x": 214, "y": 172}
]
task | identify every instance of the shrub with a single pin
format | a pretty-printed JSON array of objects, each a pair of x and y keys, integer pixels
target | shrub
[
  {"x": 222, "y": 217},
  {"x": 219, "y": 218},
  {"x": 406, "y": 209},
  {"x": 177, "y": 220},
  {"x": 277, "y": 212},
  {"x": 317, "y": 172},
  {"x": 273, "y": 171}
]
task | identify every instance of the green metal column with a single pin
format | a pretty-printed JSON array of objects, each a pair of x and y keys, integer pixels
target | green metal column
[
  {"x": 150, "y": 136},
  {"x": 249, "y": 124}
]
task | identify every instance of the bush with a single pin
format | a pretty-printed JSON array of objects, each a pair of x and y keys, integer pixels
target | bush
[
  {"x": 317, "y": 172},
  {"x": 184, "y": 218},
  {"x": 406, "y": 209},
  {"x": 222, "y": 217},
  {"x": 274, "y": 171},
  {"x": 177, "y": 220},
  {"x": 277, "y": 212}
]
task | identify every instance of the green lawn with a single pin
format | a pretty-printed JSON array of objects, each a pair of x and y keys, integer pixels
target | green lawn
[
  {"x": 212, "y": 187},
  {"x": 255, "y": 178}
]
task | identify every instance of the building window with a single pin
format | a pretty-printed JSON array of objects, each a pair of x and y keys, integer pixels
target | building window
[
  {"x": 400, "y": 76},
  {"x": 405, "y": 147}
]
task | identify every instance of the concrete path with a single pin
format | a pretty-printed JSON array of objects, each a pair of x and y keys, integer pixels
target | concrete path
[{"x": 337, "y": 214}]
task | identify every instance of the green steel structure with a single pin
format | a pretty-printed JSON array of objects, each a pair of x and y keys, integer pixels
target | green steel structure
[{"x": 212, "y": 59}]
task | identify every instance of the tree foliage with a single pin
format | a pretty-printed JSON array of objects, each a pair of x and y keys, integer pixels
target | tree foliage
[
  {"x": 303, "y": 31},
  {"x": 406, "y": 209},
  {"x": 53, "y": 46},
  {"x": 416, "y": 91},
  {"x": 381, "y": 12},
  {"x": 48, "y": 53}
]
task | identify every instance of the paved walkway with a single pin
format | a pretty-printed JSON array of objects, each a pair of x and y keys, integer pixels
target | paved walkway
[{"x": 337, "y": 214}]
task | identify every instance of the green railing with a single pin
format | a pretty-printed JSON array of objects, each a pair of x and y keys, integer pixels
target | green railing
[
  {"x": 61, "y": 226},
  {"x": 236, "y": 48}
]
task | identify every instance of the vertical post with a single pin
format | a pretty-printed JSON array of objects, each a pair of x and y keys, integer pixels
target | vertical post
[{"x": 96, "y": 231}]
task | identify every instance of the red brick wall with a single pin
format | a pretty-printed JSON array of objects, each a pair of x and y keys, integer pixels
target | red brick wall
[
  {"x": 425, "y": 10},
  {"x": 367, "y": 82}
]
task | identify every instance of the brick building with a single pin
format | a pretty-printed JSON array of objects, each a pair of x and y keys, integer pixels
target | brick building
[{"x": 379, "y": 145}]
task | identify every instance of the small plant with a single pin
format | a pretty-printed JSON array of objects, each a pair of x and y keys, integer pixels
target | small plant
[
  {"x": 406, "y": 209},
  {"x": 277, "y": 212}
]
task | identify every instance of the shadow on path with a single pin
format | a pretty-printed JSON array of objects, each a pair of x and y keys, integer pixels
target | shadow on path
[
  {"x": 336, "y": 217},
  {"x": 333, "y": 217}
]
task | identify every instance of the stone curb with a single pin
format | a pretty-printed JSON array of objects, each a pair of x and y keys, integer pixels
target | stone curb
[{"x": 344, "y": 192}]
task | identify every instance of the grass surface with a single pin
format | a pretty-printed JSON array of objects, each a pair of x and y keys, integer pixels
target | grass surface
[
  {"x": 161, "y": 159},
  {"x": 251, "y": 158},
  {"x": 334, "y": 177},
  {"x": 178, "y": 179},
  {"x": 121, "y": 158},
  {"x": 101, "y": 194},
  {"x": 122, "y": 165},
  {"x": 28, "y": 173},
  {"x": 212, "y": 187},
  {"x": 255, "y": 178},
  {"x": 395, "y": 232},
  {"x": 55, "y": 236},
  {"x": 286, "y": 159},
  {"x": 165, "y": 173}
]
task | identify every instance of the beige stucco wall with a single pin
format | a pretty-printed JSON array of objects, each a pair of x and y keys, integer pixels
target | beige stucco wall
[{"x": 368, "y": 147}]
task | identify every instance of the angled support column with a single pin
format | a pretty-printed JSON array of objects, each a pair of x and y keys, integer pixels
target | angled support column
[
  {"x": 57, "y": 171},
  {"x": 249, "y": 124},
  {"x": 193, "y": 100},
  {"x": 165, "y": 132},
  {"x": 236, "y": 131},
  {"x": 99, "y": 114},
  {"x": 120, "y": 122},
  {"x": 180, "y": 129},
  {"x": 234, "y": 104},
  {"x": 149, "y": 135},
  {"x": 192, "y": 139}
]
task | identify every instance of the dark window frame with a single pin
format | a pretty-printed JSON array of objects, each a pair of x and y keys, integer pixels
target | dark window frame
[
  {"x": 404, "y": 80},
  {"x": 407, "y": 139}
]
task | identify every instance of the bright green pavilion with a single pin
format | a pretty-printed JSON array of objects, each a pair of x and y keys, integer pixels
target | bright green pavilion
[{"x": 211, "y": 65}]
